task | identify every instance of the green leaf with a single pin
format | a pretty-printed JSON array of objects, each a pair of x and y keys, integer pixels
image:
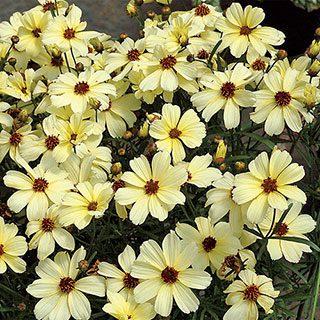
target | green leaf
[
  {"x": 259, "y": 138},
  {"x": 299, "y": 240}
]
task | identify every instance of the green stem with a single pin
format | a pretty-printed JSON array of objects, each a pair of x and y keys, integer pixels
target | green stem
[
  {"x": 65, "y": 56},
  {"x": 316, "y": 295}
]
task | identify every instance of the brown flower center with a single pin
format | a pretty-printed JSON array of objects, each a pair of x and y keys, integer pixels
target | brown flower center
[
  {"x": 168, "y": 62},
  {"x": 24, "y": 90},
  {"x": 57, "y": 62},
  {"x": 283, "y": 98},
  {"x": 93, "y": 206},
  {"x": 189, "y": 176},
  {"x": 202, "y": 10},
  {"x": 203, "y": 54},
  {"x": 51, "y": 142},
  {"x": 69, "y": 33},
  {"x": 227, "y": 89},
  {"x": 133, "y": 55},
  {"x": 67, "y": 284},
  {"x": 36, "y": 32},
  {"x": 174, "y": 133},
  {"x": 129, "y": 281},
  {"x": 1, "y": 250},
  {"x": 258, "y": 64},
  {"x": 118, "y": 184},
  {"x": 152, "y": 187},
  {"x": 233, "y": 263},
  {"x": 245, "y": 30},
  {"x": 269, "y": 185},
  {"x": 251, "y": 293},
  {"x": 40, "y": 185},
  {"x": 282, "y": 230},
  {"x": 73, "y": 136},
  {"x": 15, "y": 139},
  {"x": 81, "y": 88},
  {"x": 47, "y": 224},
  {"x": 169, "y": 275},
  {"x": 46, "y": 6},
  {"x": 209, "y": 243}
]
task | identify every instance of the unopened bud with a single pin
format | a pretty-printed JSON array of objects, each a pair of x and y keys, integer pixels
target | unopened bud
[
  {"x": 97, "y": 44},
  {"x": 144, "y": 130},
  {"x": 94, "y": 103},
  {"x": 121, "y": 151},
  {"x": 314, "y": 68},
  {"x": 317, "y": 32},
  {"x": 282, "y": 54},
  {"x": 217, "y": 139},
  {"x": 56, "y": 52},
  {"x": 141, "y": 34},
  {"x": 79, "y": 67},
  {"x": 123, "y": 36},
  {"x": 166, "y": 10},
  {"x": 151, "y": 14},
  {"x": 116, "y": 168},
  {"x": 131, "y": 9},
  {"x": 223, "y": 167},
  {"x": 152, "y": 117},
  {"x": 12, "y": 61},
  {"x": 83, "y": 265},
  {"x": 151, "y": 147},
  {"x": 127, "y": 135},
  {"x": 240, "y": 166},
  {"x": 22, "y": 306},
  {"x": 190, "y": 58},
  {"x": 314, "y": 49},
  {"x": 23, "y": 115},
  {"x": 15, "y": 39},
  {"x": 221, "y": 152}
]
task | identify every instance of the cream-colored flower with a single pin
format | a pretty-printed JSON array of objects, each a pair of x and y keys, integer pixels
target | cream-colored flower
[
  {"x": 121, "y": 308},
  {"x": 117, "y": 280},
  {"x": 225, "y": 90},
  {"x": 214, "y": 242},
  {"x": 293, "y": 225},
  {"x": 167, "y": 274},
  {"x": 89, "y": 201},
  {"x": 268, "y": 184},
  {"x": 244, "y": 294},
  {"x": 67, "y": 32},
  {"x": 152, "y": 189},
  {"x": 11, "y": 247},
  {"x": 58, "y": 6},
  {"x": 205, "y": 14},
  {"x": 171, "y": 131},
  {"x": 5, "y": 118},
  {"x": 46, "y": 181},
  {"x": 48, "y": 230},
  {"x": 61, "y": 294},
  {"x": 280, "y": 102},
  {"x": 241, "y": 30}
]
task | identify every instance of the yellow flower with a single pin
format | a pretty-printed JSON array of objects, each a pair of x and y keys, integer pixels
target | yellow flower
[
  {"x": 11, "y": 247},
  {"x": 221, "y": 152}
]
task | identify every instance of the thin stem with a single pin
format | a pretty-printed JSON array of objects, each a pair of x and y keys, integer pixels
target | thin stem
[
  {"x": 65, "y": 56},
  {"x": 315, "y": 300}
]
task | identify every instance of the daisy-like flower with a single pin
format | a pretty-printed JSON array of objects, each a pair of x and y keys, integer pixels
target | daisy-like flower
[
  {"x": 280, "y": 102},
  {"x": 167, "y": 274},
  {"x": 205, "y": 14},
  {"x": 170, "y": 130},
  {"x": 198, "y": 172},
  {"x": 225, "y": 90},
  {"x": 169, "y": 70},
  {"x": 121, "y": 308},
  {"x": 44, "y": 182},
  {"x": 67, "y": 32},
  {"x": 214, "y": 242},
  {"x": 5, "y": 118},
  {"x": 90, "y": 201},
  {"x": 268, "y": 184},
  {"x": 11, "y": 247},
  {"x": 152, "y": 189},
  {"x": 293, "y": 225},
  {"x": 61, "y": 294},
  {"x": 56, "y": 5},
  {"x": 76, "y": 91},
  {"x": 30, "y": 33},
  {"x": 244, "y": 294},
  {"x": 221, "y": 201},
  {"x": 48, "y": 230},
  {"x": 117, "y": 280},
  {"x": 241, "y": 29}
]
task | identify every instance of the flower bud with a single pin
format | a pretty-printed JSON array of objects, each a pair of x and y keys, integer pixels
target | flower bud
[
  {"x": 166, "y": 10},
  {"x": 217, "y": 139},
  {"x": 15, "y": 39},
  {"x": 282, "y": 54},
  {"x": 240, "y": 166},
  {"x": 12, "y": 61},
  {"x": 314, "y": 49},
  {"x": 190, "y": 58},
  {"x": 56, "y": 52},
  {"x": 223, "y": 167},
  {"x": 22, "y": 306},
  {"x": 131, "y": 9},
  {"x": 121, "y": 151},
  {"x": 123, "y": 36},
  {"x": 220, "y": 154},
  {"x": 143, "y": 131},
  {"x": 97, "y": 44},
  {"x": 94, "y": 103},
  {"x": 151, "y": 147},
  {"x": 151, "y": 14},
  {"x": 314, "y": 68},
  {"x": 116, "y": 168},
  {"x": 83, "y": 265},
  {"x": 79, "y": 67},
  {"x": 127, "y": 135},
  {"x": 141, "y": 34},
  {"x": 317, "y": 32},
  {"x": 23, "y": 115}
]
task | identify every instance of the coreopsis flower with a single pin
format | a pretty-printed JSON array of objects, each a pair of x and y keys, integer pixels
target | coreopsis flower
[
  {"x": 171, "y": 131},
  {"x": 169, "y": 70},
  {"x": 67, "y": 32},
  {"x": 126, "y": 53},
  {"x": 61, "y": 294},
  {"x": 76, "y": 91},
  {"x": 293, "y": 225},
  {"x": 198, "y": 172},
  {"x": 241, "y": 30},
  {"x": 43, "y": 183},
  {"x": 205, "y": 14},
  {"x": 11, "y": 247},
  {"x": 214, "y": 242},
  {"x": 89, "y": 201},
  {"x": 225, "y": 90},
  {"x": 117, "y": 280},
  {"x": 268, "y": 184},
  {"x": 48, "y": 230},
  {"x": 167, "y": 274},
  {"x": 244, "y": 294},
  {"x": 58, "y": 6},
  {"x": 221, "y": 202},
  {"x": 119, "y": 112},
  {"x": 152, "y": 189},
  {"x": 9, "y": 29},
  {"x": 30, "y": 33},
  {"x": 127, "y": 308},
  {"x": 280, "y": 102}
]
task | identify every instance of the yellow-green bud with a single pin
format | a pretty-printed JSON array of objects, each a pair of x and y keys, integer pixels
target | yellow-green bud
[
  {"x": 282, "y": 54},
  {"x": 116, "y": 168},
  {"x": 314, "y": 68},
  {"x": 121, "y": 151},
  {"x": 127, "y": 135},
  {"x": 314, "y": 49}
]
